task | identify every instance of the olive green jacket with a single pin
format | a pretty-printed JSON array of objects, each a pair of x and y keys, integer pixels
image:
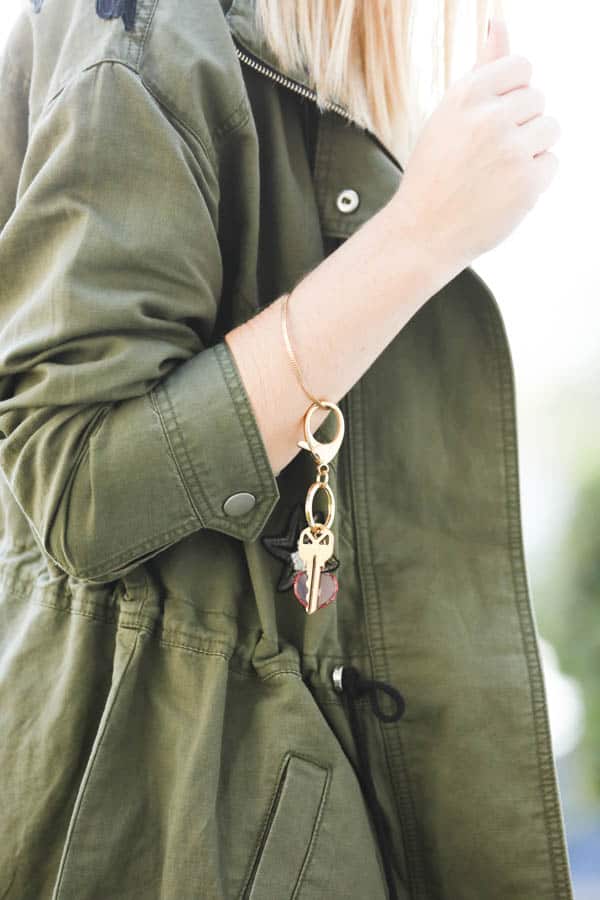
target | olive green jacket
[{"x": 174, "y": 725}]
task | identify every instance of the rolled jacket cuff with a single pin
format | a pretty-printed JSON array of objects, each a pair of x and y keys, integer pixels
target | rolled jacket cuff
[{"x": 214, "y": 436}]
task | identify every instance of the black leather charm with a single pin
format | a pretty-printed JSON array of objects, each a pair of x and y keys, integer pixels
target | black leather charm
[{"x": 283, "y": 547}]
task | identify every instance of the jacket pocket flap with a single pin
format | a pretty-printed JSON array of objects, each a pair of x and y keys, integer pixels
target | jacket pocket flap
[{"x": 291, "y": 829}]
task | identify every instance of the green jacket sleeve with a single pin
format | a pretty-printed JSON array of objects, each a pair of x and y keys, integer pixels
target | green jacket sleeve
[{"x": 123, "y": 428}]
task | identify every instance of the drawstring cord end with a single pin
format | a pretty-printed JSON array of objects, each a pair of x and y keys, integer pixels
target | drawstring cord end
[
  {"x": 356, "y": 684},
  {"x": 349, "y": 681}
]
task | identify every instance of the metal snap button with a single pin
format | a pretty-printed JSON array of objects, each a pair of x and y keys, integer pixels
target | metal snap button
[
  {"x": 347, "y": 200},
  {"x": 239, "y": 503}
]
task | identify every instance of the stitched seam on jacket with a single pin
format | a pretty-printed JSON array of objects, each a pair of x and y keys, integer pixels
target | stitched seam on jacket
[
  {"x": 316, "y": 827},
  {"x": 554, "y": 831},
  {"x": 253, "y": 443},
  {"x": 323, "y": 158},
  {"x": 162, "y": 105},
  {"x": 154, "y": 401},
  {"x": 174, "y": 435},
  {"x": 249, "y": 882},
  {"x": 257, "y": 448},
  {"x": 122, "y": 619},
  {"x": 250, "y": 877},
  {"x": 176, "y": 638},
  {"x": 162, "y": 98},
  {"x": 236, "y": 119},
  {"x": 74, "y": 77},
  {"x": 89, "y": 772},
  {"x": 145, "y": 29},
  {"x": 240, "y": 406},
  {"x": 231, "y": 123},
  {"x": 261, "y": 467},
  {"x": 195, "y": 519},
  {"x": 122, "y": 556},
  {"x": 393, "y": 753}
]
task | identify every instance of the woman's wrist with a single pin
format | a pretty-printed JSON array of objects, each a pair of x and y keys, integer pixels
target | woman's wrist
[
  {"x": 342, "y": 315},
  {"x": 430, "y": 243}
]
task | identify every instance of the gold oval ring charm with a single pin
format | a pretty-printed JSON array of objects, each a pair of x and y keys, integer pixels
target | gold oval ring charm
[
  {"x": 323, "y": 453},
  {"x": 308, "y": 506}
]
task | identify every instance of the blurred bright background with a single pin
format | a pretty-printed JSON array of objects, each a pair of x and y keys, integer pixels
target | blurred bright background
[{"x": 547, "y": 283}]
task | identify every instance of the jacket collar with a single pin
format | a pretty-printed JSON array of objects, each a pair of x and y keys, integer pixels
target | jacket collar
[
  {"x": 241, "y": 20},
  {"x": 240, "y": 17},
  {"x": 346, "y": 157}
]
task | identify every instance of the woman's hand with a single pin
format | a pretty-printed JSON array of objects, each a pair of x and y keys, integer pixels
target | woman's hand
[{"x": 482, "y": 158}]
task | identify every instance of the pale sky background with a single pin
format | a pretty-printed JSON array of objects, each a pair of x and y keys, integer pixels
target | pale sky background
[{"x": 546, "y": 279}]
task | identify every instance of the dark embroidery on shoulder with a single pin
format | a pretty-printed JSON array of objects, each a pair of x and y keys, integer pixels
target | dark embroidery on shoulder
[
  {"x": 283, "y": 547},
  {"x": 113, "y": 9},
  {"x": 37, "y": 5}
]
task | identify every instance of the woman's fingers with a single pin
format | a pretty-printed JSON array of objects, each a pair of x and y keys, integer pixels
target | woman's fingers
[
  {"x": 523, "y": 104},
  {"x": 497, "y": 42},
  {"x": 482, "y": 157},
  {"x": 501, "y": 75},
  {"x": 540, "y": 133}
]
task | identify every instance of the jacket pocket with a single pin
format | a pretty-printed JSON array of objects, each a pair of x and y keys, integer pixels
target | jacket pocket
[
  {"x": 90, "y": 839},
  {"x": 290, "y": 831}
]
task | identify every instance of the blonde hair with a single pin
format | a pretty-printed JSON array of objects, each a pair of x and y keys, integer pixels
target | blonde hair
[{"x": 361, "y": 54}]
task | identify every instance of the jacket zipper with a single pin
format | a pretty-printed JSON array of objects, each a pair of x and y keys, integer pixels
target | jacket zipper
[
  {"x": 310, "y": 94},
  {"x": 261, "y": 67}
]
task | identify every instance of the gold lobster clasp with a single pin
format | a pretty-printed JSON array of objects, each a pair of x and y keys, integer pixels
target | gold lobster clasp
[{"x": 323, "y": 453}]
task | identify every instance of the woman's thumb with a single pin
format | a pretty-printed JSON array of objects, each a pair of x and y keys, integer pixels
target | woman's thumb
[{"x": 497, "y": 43}]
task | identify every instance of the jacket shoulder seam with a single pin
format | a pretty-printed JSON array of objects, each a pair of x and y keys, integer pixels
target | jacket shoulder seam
[
  {"x": 132, "y": 57},
  {"x": 162, "y": 102},
  {"x": 74, "y": 75},
  {"x": 232, "y": 123}
]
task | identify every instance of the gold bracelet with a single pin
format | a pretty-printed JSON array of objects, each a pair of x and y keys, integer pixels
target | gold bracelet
[
  {"x": 292, "y": 355},
  {"x": 315, "y": 586}
]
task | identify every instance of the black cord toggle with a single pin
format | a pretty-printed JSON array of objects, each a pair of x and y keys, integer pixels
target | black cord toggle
[{"x": 357, "y": 685}]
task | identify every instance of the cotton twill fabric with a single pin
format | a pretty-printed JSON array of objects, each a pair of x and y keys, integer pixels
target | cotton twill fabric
[
  {"x": 171, "y": 729},
  {"x": 171, "y": 772},
  {"x": 104, "y": 359}
]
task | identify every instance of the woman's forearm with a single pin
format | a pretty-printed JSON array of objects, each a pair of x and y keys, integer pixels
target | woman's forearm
[
  {"x": 478, "y": 166},
  {"x": 341, "y": 316}
]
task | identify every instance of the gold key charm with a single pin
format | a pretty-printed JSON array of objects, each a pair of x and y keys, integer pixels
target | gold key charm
[
  {"x": 315, "y": 547},
  {"x": 313, "y": 586}
]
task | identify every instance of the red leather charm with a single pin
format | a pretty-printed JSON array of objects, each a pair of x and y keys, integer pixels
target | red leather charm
[{"x": 328, "y": 588}]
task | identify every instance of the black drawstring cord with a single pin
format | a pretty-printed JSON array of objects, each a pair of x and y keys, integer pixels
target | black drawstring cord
[{"x": 354, "y": 685}]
